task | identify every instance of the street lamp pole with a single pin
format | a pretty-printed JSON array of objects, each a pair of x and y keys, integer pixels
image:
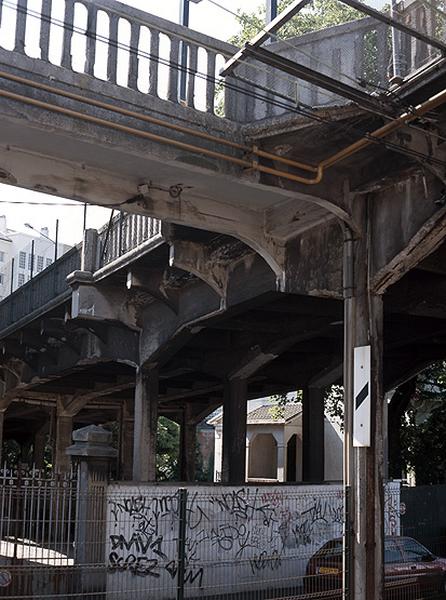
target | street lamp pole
[
  {"x": 184, "y": 20},
  {"x": 271, "y": 10},
  {"x": 55, "y": 242}
]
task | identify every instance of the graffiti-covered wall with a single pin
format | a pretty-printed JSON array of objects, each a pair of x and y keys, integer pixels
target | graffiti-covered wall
[{"x": 237, "y": 539}]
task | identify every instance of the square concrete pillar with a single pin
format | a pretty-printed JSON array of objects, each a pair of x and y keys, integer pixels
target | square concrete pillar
[
  {"x": 234, "y": 431},
  {"x": 313, "y": 435},
  {"x": 126, "y": 440},
  {"x": 188, "y": 448},
  {"x": 64, "y": 430},
  {"x": 146, "y": 423}
]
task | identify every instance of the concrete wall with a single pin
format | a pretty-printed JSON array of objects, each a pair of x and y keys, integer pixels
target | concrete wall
[
  {"x": 333, "y": 452},
  {"x": 245, "y": 538}
]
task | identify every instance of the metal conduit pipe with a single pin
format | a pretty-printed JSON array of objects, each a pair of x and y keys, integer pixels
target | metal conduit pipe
[
  {"x": 154, "y": 121},
  {"x": 378, "y": 134}
]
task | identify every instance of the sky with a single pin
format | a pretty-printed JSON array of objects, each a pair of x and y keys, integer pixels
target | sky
[{"x": 205, "y": 17}]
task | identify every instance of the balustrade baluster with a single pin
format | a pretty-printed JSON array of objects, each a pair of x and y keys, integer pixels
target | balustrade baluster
[
  {"x": 359, "y": 49},
  {"x": 154, "y": 58},
  {"x": 172, "y": 92},
  {"x": 112, "y": 59},
  {"x": 20, "y": 28},
  {"x": 68, "y": 34},
  {"x": 134, "y": 58},
  {"x": 90, "y": 54},
  {"x": 135, "y": 239},
  {"x": 383, "y": 58},
  {"x": 210, "y": 83},
  {"x": 193, "y": 62},
  {"x": 45, "y": 29}
]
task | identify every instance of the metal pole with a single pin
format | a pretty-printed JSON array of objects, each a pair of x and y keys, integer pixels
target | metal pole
[
  {"x": 12, "y": 275},
  {"x": 32, "y": 259},
  {"x": 184, "y": 20},
  {"x": 363, "y": 443},
  {"x": 271, "y": 10},
  {"x": 56, "y": 243},
  {"x": 182, "y": 492},
  {"x": 85, "y": 217},
  {"x": 348, "y": 284}
]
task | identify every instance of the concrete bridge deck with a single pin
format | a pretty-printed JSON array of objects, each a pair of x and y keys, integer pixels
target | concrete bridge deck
[{"x": 279, "y": 259}]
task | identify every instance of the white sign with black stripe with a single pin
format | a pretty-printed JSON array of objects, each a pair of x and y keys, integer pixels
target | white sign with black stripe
[{"x": 361, "y": 397}]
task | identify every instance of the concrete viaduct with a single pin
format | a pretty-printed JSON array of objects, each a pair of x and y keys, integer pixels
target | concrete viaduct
[{"x": 282, "y": 248}]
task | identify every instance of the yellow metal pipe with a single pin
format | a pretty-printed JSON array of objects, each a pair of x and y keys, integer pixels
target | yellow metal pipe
[
  {"x": 319, "y": 169},
  {"x": 151, "y": 136},
  {"x": 124, "y": 128},
  {"x": 154, "y": 121}
]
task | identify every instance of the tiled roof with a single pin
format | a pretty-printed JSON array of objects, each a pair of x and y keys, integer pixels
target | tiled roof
[
  {"x": 267, "y": 413},
  {"x": 274, "y": 414}
]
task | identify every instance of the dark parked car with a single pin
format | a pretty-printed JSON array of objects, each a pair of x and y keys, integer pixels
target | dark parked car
[{"x": 411, "y": 571}]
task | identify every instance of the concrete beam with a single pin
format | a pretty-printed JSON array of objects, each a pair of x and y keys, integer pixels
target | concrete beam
[
  {"x": 154, "y": 282},
  {"x": 146, "y": 422},
  {"x": 199, "y": 260}
]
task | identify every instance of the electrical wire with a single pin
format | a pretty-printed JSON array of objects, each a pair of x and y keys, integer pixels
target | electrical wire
[
  {"x": 266, "y": 99},
  {"x": 339, "y": 72},
  {"x": 39, "y": 203},
  {"x": 126, "y": 47}
]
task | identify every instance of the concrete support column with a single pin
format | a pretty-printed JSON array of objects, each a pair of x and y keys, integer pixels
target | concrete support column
[
  {"x": 313, "y": 435},
  {"x": 146, "y": 422},
  {"x": 2, "y": 423},
  {"x": 234, "y": 431},
  {"x": 363, "y": 465},
  {"x": 93, "y": 455},
  {"x": 64, "y": 430},
  {"x": 188, "y": 447},
  {"x": 39, "y": 446},
  {"x": 126, "y": 440},
  {"x": 281, "y": 450}
]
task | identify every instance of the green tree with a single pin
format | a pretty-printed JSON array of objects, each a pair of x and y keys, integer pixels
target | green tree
[
  {"x": 318, "y": 15},
  {"x": 423, "y": 427},
  {"x": 167, "y": 449}
]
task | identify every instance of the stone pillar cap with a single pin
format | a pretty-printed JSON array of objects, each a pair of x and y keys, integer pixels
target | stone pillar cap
[{"x": 92, "y": 441}]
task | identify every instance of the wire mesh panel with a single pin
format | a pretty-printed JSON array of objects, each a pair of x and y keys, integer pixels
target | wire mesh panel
[
  {"x": 37, "y": 521},
  {"x": 61, "y": 540},
  {"x": 247, "y": 542}
]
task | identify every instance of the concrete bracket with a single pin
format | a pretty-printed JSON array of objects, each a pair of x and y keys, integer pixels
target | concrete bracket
[{"x": 199, "y": 260}]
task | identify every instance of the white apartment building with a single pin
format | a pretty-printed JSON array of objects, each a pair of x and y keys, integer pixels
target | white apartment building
[{"x": 16, "y": 256}]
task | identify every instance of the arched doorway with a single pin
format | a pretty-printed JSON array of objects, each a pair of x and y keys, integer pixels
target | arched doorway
[
  {"x": 291, "y": 458},
  {"x": 263, "y": 457}
]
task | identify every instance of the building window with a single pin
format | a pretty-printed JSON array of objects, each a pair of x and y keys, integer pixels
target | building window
[
  {"x": 22, "y": 260},
  {"x": 2, "y": 256},
  {"x": 48, "y": 262},
  {"x": 2, "y": 279},
  {"x": 39, "y": 263},
  {"x": 21, "y": 279}
]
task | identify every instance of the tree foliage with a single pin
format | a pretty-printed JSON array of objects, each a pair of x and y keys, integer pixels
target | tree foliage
[
  {"x": 167, "y": 450},
  {"x": 423, "y": 427},
  {"x": 318, "y": 15}
]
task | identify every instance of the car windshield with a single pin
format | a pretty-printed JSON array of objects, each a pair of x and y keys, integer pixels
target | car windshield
[
  {"x": 392, "y": 552},
  {"x": 415, "y": 551}
]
